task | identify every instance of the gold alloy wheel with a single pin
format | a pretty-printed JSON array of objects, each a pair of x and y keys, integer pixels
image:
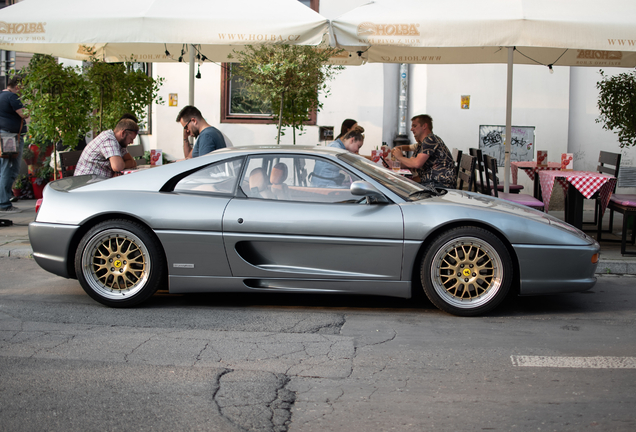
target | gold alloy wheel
[
  {"x": 466, "y": 272},
  {"x": 115, "y": 264}
]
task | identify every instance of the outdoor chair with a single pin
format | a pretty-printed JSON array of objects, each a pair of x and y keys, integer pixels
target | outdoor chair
[
  {"x": 480, "y": 185},
  {"x": 490, "y": 164},
  {"x": 457, "y": 157},
  {"x": 624, "y": 204},
  {"x": 478, "y": 173},
  {"x": 68, "y": 161},
  {"x": 466, "y": 171},
  {"x": 608, "y": 163}
]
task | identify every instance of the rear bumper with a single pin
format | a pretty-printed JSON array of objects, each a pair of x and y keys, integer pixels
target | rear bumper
[
  {"x": 556, "y": 269},
  {"x": 50, "y": 243}
]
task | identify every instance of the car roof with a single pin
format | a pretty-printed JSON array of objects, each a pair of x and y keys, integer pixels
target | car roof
[
  {"x": 154, "y": 179},
  {"x": 273, "y": 148}
]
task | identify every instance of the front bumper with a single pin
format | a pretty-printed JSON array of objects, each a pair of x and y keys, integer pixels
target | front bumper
[{"x": 556, "y": 269}]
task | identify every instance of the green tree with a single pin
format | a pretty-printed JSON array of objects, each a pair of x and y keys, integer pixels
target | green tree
[
  {"x": 66, "y": 102},
  {"x": 289, "y": 77},
  {"x": 617, "y": 106},
  {"x": 57, "y": 99},
  {"x": 117, "y": 89}
]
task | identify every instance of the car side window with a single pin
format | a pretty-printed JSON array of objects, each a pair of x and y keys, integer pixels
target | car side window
[
  {"x": 220, "y": 178},
  {"x": 294, "y": 178}
]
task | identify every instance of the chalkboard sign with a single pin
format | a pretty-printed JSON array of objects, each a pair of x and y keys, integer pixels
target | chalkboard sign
[{"x": 492, "y": 138}]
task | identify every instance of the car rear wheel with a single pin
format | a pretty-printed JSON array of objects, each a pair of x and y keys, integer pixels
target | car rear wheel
[
  {"x": 466, "y": 271},
  {"x": 120, "y": 263}
]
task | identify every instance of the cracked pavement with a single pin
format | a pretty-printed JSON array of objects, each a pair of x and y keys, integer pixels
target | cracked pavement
[{"x": 304, "y": 363}]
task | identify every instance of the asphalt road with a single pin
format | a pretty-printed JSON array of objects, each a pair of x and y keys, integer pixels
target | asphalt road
[{"x": 312, "y": 363}]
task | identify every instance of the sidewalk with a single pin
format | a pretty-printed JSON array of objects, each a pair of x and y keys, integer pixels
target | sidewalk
[{"x": 14, "y": 240}]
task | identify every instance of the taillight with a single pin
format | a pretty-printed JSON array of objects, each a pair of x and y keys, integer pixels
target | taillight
[{"x": 38, "y": 204}]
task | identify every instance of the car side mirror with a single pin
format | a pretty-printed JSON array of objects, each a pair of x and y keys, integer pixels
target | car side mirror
[{"x": 363, "y": 188}]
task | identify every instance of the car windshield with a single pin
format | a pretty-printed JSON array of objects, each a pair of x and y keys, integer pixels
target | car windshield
[{"x": 407, "y": 189}]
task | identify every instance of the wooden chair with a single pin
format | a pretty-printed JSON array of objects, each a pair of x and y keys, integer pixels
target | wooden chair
[
  {"x": 624, "y": 204},
  {"x": 490, "y": 164},
  {"x": 608, "y": 163},
  {"x": 68, "y": 161},
  {"x": 480, "y": 185},
  {"x": 457, "y": 157},
  {"x": 466, "y": 169},
  {"x": 478, "y": 173}
]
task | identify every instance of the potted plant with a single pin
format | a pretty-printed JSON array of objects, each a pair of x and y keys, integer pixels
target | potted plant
[
  {"x": 27, "y": 154},
  {"x": 18, "y": 185},
  {"x": 42, "y": 176}
]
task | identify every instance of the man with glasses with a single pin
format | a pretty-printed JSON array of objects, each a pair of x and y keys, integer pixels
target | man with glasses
[
  {"x": 208, "y": 138},
  {"x": 106, "y": 155}
]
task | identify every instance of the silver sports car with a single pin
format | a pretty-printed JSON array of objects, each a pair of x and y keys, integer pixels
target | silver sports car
[{"x": 303, "y": 220}]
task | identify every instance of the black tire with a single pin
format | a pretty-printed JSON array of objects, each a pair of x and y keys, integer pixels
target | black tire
[
  {"x": 120, "y": 263},
  {"x": 466, "y": 271}
]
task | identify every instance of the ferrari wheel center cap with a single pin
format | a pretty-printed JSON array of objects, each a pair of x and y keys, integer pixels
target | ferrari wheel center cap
[
  {"x": 117, "y": 263},
  {"x": 466, "y": 272}
]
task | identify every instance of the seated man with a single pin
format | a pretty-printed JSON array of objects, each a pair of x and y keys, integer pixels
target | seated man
[
  {"x": 432, "y": 162},
  {"x": 106, "y": 155}
]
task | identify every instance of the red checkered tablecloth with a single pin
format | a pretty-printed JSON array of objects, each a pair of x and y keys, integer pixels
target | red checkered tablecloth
[
  {"x": 586, "y": 182},
  {"x": 531, "y": 168}
]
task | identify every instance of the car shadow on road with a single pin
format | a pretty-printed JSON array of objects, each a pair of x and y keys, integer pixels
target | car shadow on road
[{"x": 606, "y": 296}]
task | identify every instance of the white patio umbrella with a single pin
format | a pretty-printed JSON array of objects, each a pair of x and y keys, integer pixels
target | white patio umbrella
[
  {"x": 545, "y": 32},
  {"x": 143, "y": 30},
  {"x": 155, "y": 30}
]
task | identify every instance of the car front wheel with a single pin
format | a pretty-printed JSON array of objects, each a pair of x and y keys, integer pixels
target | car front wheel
[
  {"x": 120, "y": 263},
  {"x": 466, "y": 271}
]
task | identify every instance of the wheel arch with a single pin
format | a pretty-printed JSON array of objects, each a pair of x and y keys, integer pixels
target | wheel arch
[
  {"x": 416, "y": 283},
  {"x": 90, "y": 223}
]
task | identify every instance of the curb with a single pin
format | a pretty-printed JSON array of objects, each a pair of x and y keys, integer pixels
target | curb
[
  {"x": 616, "y": 267},
  {"x": 23, "y": 252}
]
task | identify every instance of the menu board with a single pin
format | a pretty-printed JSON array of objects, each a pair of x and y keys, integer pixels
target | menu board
[{"x": 492, "y": 142}]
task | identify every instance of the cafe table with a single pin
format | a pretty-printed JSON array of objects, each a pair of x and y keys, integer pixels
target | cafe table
[
  {"x": 577, "y": 185},
  {"x": 531, "y": 168}
]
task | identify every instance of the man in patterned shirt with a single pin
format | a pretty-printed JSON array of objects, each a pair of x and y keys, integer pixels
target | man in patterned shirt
[
  {"x": 431, "y": 161},
  {"x": 107, "y": 154}
]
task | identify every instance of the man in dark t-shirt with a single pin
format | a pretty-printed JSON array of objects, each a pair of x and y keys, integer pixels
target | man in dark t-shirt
[
  {"x": 12, "y": 120},
  {"x": 208, "y": 138},
  {"x": 431, "y": 161}
]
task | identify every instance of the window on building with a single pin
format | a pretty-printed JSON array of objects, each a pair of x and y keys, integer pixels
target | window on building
[{"x": 237, "y": 106}]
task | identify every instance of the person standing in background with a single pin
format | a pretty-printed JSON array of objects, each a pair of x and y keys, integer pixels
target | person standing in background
[{"x": 12, "y": 120}]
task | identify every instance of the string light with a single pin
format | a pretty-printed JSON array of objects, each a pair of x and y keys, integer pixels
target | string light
[{"x": 167, "y": 52}]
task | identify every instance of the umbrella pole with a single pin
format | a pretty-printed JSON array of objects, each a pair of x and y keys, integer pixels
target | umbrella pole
[
  {"x": 511, "y": 51},
  {"x": 191, "y": 95}
]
